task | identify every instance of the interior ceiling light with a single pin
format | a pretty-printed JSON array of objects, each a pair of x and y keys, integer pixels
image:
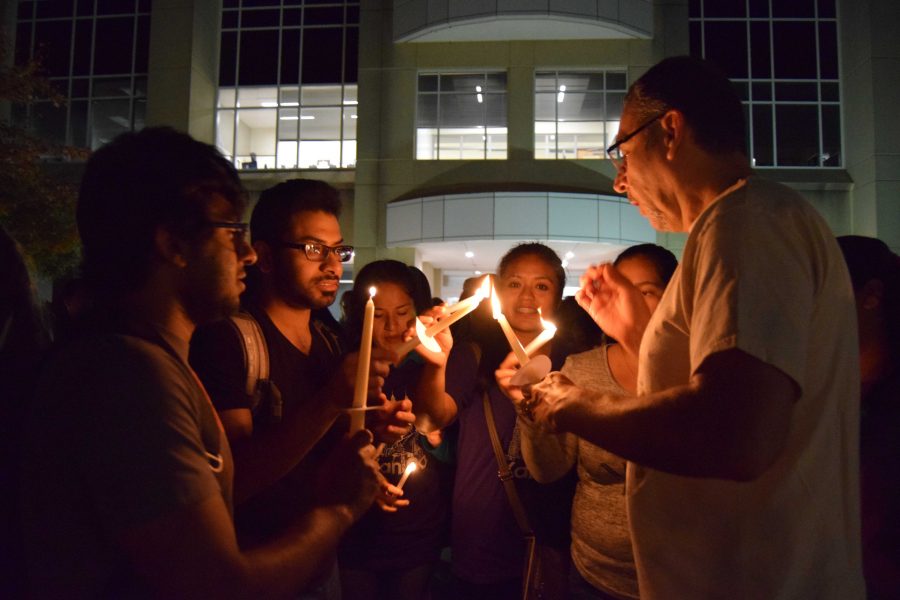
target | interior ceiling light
[
  {"x": 470, "y": 254},
  {"x": 570, "y": 254},
  {"x": 562, "y": 93},
  {"x": 478, "y": 95}
]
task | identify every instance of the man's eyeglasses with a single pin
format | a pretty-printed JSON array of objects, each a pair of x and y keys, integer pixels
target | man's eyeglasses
[
  {"x": 238, "y": 230},
  {"x": 615, "y": 152},
  {"x": 317, "y": 252}
]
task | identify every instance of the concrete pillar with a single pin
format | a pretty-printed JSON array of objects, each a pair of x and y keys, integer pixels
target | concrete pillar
[
  {"x": 870, "y": 51},
  {"x": 184, "y": 66}
]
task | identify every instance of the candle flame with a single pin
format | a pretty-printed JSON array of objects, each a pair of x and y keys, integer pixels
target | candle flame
[
  {"x": 495, "y": 303},
  {"x": 485, "y": 290},
  {"x": 411, "y": 467},
  {"x": 372, "y": 291},
  {"x": 548, "y": 325}
]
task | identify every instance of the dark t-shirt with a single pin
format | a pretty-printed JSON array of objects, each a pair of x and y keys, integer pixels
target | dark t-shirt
[
  {"x": 487, "y": 543},
  {"x": 121, "y": 434},
  {"x": 413, "y": 535},
  {"x": 217, "y": 356}
]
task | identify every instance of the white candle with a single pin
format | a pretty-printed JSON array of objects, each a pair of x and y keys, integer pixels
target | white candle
[
  {"x": 409, "y": 469},
  {"x": 543, "y": 337},
  {"x": 514, "y": 342},
  {"x": 456, "y": 312},
  {"x": 361, "y": 389}
]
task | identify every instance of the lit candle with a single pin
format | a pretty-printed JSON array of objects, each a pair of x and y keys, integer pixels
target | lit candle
[
  {"x": 545, "y": 336},
  {"x": 456, "y": 312},
  {"x": 361, "y": 389},
  {"x": 514, "y": 342},
  {"x": 409, "y": 469}
]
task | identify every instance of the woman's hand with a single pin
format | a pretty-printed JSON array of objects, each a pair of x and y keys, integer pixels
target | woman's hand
[
  {"x": 443, "y": 338},
  {"x": 509, "y": 367}
]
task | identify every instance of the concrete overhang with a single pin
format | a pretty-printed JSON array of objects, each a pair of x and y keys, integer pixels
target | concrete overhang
[{"x": 506, "y": 20}]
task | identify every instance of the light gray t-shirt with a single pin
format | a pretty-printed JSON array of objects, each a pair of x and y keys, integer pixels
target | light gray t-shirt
[
  {"x": 601, "y": 544},
  {"x": 761, "y": 272},
  {"x": 121, "y": 433}
]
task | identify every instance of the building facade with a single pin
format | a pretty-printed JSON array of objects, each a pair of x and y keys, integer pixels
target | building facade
[{"x": 456, "y": 127}]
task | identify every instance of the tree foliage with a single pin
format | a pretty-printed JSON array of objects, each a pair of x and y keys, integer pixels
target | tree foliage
[{"x": 37, "y": 206}]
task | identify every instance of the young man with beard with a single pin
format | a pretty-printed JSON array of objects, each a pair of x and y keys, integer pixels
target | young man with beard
[
  {"x": 127, "y": 474},
  {"x": 279, "y": 439}
]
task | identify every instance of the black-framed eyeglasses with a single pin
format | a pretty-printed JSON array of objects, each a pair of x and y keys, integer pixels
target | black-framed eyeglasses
[
  {"x": 615, "y": 152},
  {"x": 238, "y": 229},
  {"x": 318, "y": 252}
]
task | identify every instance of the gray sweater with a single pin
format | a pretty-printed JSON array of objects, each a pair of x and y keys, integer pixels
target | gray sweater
[{"x": 601, "y": 545}]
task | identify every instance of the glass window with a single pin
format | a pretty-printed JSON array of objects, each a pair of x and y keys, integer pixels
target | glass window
[
  {"x": 260, "y": 18},
  {"x": 52, "y": 46},
  {"x": 461, "y": 116},
  {"x": 258, "y": 63},
  {"x": 786, "y": 70},
  {"x": 287, "y": 88},
  {"x": 109, "y": 118},
  {"x": 96, "y": 55},
  {"x": 322, "y": 52},
  {"x": 576, "y": 114},
  {"x": 113, "y": 40}
]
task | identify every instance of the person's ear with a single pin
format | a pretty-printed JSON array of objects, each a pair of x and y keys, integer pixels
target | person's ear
[
  {"x": 673, "y": 126},
  {"x": 265, "y": 260},
  {"x": 871, "y": 296},
  {"x": 169, "y": 247}
]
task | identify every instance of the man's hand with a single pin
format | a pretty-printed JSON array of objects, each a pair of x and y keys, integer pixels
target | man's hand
[
  {"x": 339, "y": 390},
  {"x": 350, "y": 475},
  {"x": 614, "y": 303},
  {"x": 548, "y": 400},
  {"x": 393, "y": 420}
]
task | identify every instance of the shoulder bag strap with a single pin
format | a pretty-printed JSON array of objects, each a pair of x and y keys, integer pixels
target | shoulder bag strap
[{"x": 503, "y": 470}]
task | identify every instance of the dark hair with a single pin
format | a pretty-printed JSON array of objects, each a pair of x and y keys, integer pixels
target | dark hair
[
  {"x": 272, "y": 214},
  {"x": 135, "y": 184},
  {"x": 379, "y": 272},
  {"x": 662, "y": 259},
  {"x": 544, "y": 253},
  {"x": 698, "y": 90},
  {"x": 871, "y": 259}
]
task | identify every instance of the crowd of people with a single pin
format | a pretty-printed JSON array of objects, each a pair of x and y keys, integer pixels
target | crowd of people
[{"x": 188, "y": 433}]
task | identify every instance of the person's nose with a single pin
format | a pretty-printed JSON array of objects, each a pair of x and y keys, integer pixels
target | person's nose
[
  {"x": 391, "y": 324},
  {"x": 246, "y": 253},
  {"x": 620, "y": 184},
  {"x": 331, "y": 263}
]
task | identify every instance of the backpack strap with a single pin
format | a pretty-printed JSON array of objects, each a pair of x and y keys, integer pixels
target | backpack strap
[{"x": 256, "y": 353}]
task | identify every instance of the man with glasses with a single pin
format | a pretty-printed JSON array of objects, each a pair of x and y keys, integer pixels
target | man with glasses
[
  {"x": 127, "y": 474},
  {"x": 280, "y": 436},
  {"x": 742, "y": 440}
]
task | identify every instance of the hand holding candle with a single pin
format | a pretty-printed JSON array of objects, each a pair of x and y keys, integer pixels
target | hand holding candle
[
  {"x": 425, "y": 336},
  {"x": 361, "y": 388}
]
